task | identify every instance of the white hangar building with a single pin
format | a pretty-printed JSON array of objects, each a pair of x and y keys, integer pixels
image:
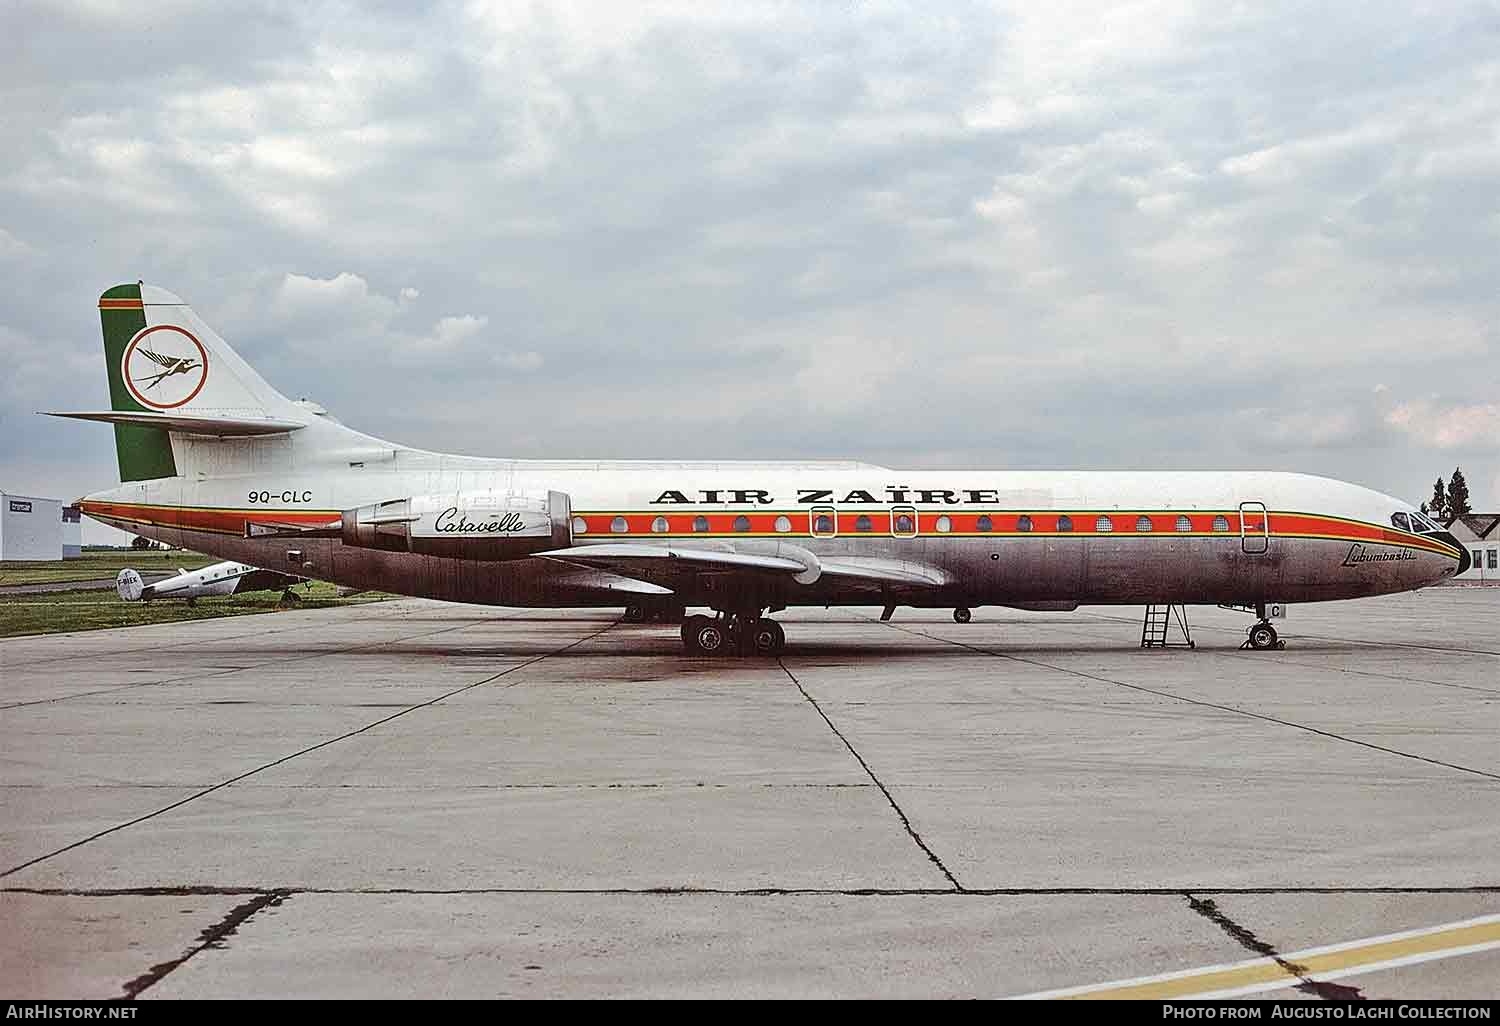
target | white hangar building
[{"x": 30, "y": 527}]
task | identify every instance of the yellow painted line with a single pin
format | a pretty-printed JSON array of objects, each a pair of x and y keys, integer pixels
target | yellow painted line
[{"x": 1325, "y": 963}]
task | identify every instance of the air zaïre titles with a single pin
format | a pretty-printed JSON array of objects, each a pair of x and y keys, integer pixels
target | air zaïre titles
[{"x": 891, "y": 493}]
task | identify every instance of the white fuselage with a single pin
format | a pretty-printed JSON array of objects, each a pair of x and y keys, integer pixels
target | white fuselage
[{"x": 1004, "y": 537}]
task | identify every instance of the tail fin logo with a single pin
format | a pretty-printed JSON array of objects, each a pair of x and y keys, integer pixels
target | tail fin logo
[{"x": 164, "y": 367}]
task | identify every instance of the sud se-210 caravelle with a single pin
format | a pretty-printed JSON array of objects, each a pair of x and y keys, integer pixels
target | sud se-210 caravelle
[{"x": 214, "y": 459}]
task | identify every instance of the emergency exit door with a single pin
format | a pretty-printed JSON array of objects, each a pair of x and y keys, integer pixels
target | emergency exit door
[{"x": 1255, "y": 528}]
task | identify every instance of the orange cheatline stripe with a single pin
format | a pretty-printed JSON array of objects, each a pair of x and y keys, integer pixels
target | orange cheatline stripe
[
  {"x": 217, "y": 521},
  {"x": 121, "y": 304},
  {"x": 966, "y": 524}
]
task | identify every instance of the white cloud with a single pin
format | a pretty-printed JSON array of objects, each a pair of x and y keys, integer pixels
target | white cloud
[
  {"x": 1448, "y": 425},
  {"x": 452, "y": 332}
]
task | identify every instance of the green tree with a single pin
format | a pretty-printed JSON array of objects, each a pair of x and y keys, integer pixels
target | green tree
[
  {"x": 1437, "y": 506},
  {"x": 1458, "y": 495}
]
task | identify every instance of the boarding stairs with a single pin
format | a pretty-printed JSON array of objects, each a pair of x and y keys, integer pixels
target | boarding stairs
[{"x": 1157, "y": 627}]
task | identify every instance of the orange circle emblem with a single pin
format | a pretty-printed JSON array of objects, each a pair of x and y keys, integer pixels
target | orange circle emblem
[{"x": 164, "y": 367}]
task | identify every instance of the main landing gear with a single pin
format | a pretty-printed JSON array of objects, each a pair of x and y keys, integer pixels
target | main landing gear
[
  {"x": 962, "y": 615},
  {"x": 742, "y": 633}
]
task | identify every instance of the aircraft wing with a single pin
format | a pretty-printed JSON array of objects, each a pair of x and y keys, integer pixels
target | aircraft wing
[
  {"x": 265, "y": 580},
  {"x": 657, "y": 561},
  {"x": 671, "y": 559},
  {"x": 603, "y": 581},
  {"x": 901, "y": 572}
]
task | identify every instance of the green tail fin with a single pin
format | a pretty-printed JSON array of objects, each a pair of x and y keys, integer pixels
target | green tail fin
[{"x": 144, "y": 453}]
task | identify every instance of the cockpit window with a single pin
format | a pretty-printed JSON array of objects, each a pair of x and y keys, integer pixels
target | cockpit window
[
  {"x": 1425, "y": 524},
  {"x": 1417, "y": 523}
]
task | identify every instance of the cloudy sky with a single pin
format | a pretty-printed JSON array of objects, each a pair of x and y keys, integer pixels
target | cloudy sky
[{"x": 1148, "y": 234}]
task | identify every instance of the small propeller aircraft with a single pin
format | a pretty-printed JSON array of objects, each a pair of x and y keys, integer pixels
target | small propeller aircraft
[{"x": 220, "y": 579}]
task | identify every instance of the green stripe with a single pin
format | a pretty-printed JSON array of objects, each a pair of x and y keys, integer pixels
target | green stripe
[{"x": 144, "y": 453}]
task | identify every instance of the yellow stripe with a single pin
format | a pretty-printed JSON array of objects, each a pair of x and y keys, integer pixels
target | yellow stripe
[{"x": 1438, "y": 942}]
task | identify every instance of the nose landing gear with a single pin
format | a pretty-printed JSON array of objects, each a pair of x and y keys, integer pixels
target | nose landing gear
[{"x": 1262, "y": 637}]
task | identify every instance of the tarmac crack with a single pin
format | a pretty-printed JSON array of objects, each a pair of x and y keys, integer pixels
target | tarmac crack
[
  {"x": 905, "y": 821},
  {"x": 205, "y": 890},
  {"x": 213, "y": 937},
  {"x": 311, "y": 748},
  {"x": 1208, "y": 909},
  {"x": 1332, "y": 735}
]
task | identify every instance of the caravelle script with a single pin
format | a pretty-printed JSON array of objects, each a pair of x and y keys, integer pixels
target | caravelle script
[{"x": 451, "y": 521}]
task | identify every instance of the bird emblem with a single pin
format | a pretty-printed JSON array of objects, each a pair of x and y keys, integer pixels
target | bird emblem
[{"x": 173, "y": 365}]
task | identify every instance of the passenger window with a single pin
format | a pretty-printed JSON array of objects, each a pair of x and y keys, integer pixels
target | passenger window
[
  {"x": 619, "y": 525},
  {"x": 1065, "y": 523},
  {"x": 862, "y": 523},
  {"x": 984, "y": 523},
  {"x": 659, "y": 525},
  {"x": 1221, "y": 523},
  {"x": 742, "y": 523},
  {"x": 823, "y": 523},
  {"x": 1104, "y": 525},
  {"x": 903, "y": 521},
  {"x": 580, "y": 525},
  {"x": 783, "y": 525},
  {"x": 700, "y": 524},
  {"x": 1143, "y": 524},
  {"x": 944, "y": 524},
  {"x": 1184, "y": 525},
  {"x": 1024, "y": 524}
]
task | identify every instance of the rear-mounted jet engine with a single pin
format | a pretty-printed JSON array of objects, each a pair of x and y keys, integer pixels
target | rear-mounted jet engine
[{"x": 490, "y": 526}]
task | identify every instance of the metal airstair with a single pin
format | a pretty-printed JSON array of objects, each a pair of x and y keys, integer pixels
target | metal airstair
[{"x": 1157, "y": 625}]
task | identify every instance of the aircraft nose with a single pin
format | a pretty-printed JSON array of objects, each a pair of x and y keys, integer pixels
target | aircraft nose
[{"x": 1464, "y": 560}]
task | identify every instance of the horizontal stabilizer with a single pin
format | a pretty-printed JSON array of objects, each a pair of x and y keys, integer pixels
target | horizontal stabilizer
[{"x": 192, "y": 424}]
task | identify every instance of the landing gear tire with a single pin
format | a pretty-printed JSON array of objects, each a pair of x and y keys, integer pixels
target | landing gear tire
[
  {"x": 1263, "y": 637},
  {"x": 767, "y": 637},
  {"x": 962, "y": 615},
  {"x": 635, "y": 614},
  {"x": 690, "y": 628},
  {"x": 290, "y": 598},
  {"x": 710, "y": 638}
]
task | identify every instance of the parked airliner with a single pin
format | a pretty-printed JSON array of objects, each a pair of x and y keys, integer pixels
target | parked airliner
[{"x": 214, "y": 459}]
